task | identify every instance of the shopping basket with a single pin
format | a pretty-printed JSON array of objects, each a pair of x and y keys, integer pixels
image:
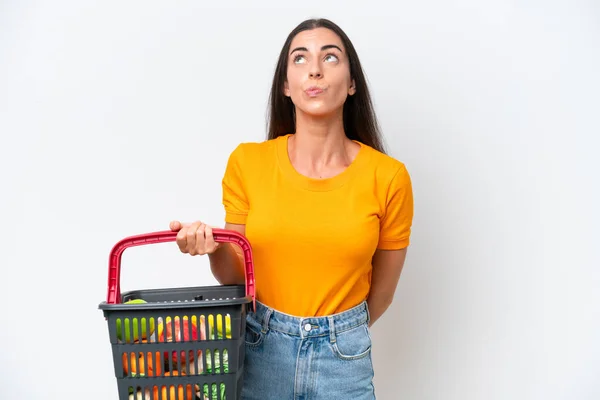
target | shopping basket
[{"x": 178, "y": 343}]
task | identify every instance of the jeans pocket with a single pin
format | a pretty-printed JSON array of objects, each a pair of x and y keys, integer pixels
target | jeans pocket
[
  {"x": 353, "y": 344},
  {"x": 254, "y": 335}
]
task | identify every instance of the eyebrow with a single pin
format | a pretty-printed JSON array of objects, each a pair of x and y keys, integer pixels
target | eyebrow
[{"x": 326, "y": 47}]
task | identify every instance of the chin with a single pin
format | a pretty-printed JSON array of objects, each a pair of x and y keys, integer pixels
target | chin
[{"x": 318, "y": 110}]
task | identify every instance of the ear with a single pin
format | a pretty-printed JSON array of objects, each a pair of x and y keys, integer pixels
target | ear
[
  {"x": 352, "y": 88},
  {"x": 286, "y": 89}
]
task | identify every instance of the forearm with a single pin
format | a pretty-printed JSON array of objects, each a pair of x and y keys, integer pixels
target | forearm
[
  {"x": 227, "y": 265},
  {"x": 377, "y": 305},
  {"x": 387, "y": 267}
]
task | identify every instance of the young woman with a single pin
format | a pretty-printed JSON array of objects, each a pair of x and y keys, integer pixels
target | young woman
[{"x": 328, "y": 215}]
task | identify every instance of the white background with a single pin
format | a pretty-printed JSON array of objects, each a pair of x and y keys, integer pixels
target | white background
[{"x": 116, "y": 117}]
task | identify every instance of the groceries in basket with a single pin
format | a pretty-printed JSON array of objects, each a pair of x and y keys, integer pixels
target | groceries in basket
[{"x": 175, "y": 329}]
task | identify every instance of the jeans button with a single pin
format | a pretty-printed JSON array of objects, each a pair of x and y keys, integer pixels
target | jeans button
[{"x": 307, "y": 327}]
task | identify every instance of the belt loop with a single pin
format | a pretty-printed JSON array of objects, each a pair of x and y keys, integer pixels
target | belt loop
[
  {"x": 331, "y": 329},
  {"x": 368, "y": 313},
  {"x": 266, "y": 318}
]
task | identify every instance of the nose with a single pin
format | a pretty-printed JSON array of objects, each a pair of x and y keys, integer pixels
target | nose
[{"x": 315, "y": 72}]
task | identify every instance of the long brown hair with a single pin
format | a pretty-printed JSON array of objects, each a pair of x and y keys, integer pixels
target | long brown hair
[{"x": 360, "y": 122}]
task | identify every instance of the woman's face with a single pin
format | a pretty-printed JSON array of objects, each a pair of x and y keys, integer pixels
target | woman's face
[{"x": 318, "y": 73}]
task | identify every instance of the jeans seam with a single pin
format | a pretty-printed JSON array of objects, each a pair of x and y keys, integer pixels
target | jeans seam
[
  {"x": 296, "y": 370},
  {"x": 261, "y": 338},
  {"x": 344, "y": 357},
  {"x": 353, "y": 326}
]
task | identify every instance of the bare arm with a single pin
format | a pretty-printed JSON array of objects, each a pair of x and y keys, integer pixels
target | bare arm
[
  {"x": 227, "y": 261},
  {"x": 387, "y": 267}
]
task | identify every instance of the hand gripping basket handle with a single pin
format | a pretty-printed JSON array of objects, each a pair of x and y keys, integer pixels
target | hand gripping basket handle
[{"x": 220, "y": 235}]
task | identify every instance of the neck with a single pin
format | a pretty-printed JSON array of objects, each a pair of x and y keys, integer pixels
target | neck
[{"x": 319, "y": 141}]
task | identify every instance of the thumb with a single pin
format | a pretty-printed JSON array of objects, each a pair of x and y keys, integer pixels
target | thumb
[{"x": 175, "y": 226}]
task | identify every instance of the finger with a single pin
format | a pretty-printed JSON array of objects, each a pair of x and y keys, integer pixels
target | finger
[
  {"x": 201, "y": 239},
  {"x": 175, "y": 226},
  {"x": 191, "y": 238},
  {"x": 181, "y": 239},
  {"x": 211, "y": 244}
]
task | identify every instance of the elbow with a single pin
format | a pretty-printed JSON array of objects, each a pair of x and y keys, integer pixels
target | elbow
[
  {"x": 382, "y": 300},
  {"x": 387, "y": 301}
]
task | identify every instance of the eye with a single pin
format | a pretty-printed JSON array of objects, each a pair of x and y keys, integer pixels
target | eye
[
  {"x": 331, "y": 58},
  {"x": 299, "y": 59}
]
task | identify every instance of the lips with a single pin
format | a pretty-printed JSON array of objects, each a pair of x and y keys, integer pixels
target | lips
[{"x": 314, "y": 91}]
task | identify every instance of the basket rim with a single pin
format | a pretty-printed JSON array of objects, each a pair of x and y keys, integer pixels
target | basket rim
[{"x": 175, "y": 304}]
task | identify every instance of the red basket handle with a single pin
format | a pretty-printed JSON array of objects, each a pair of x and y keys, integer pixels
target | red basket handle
[{"x": 220, "y": 235}]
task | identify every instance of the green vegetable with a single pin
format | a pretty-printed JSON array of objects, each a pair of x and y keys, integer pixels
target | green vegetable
[
  {"x": 214, "y": 396},
  {"x": 217, "y": 369}
]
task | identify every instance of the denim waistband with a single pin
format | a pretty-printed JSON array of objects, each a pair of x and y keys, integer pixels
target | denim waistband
[{"x": 270, "y": 318}]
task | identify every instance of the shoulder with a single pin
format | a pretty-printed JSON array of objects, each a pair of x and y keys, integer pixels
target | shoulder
[
  {"x": 254, "y": 151},
  {"x": 251, "y": 160},
  {"x": 385, "y": 167}
]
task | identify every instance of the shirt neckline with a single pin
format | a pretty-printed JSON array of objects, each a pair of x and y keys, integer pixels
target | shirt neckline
[{"x": 315, "y": 184}]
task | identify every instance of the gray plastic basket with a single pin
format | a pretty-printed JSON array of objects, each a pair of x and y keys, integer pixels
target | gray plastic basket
[{"x": 174, "y": 344}]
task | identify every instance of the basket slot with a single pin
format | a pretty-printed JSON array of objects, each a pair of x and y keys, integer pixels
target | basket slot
[
  {"x": 170, "y": 363},
  {"x": 206, "y": 326},
  {"x": 199, "y": 365},
  {"x": 189, "y": 332},
  {"x": 205, "y": 361}
]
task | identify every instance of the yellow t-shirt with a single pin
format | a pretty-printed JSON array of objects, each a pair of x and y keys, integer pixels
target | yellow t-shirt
[{"x": 313, "y": 239}]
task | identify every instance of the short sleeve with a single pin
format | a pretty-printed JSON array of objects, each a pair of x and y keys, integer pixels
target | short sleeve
[
  {"x": 235, "y": 200},
  {"x": 396, "y": 222}
]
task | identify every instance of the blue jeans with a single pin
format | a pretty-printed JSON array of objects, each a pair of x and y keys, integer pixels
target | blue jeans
[{"x": 315, "y": 358}]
